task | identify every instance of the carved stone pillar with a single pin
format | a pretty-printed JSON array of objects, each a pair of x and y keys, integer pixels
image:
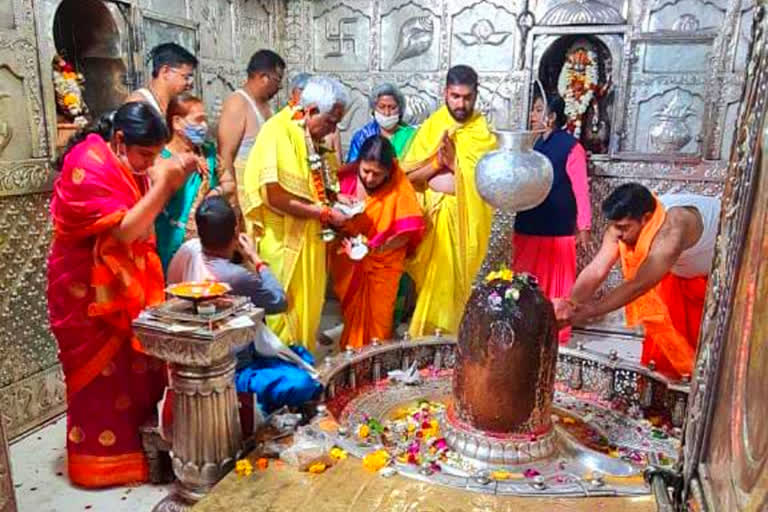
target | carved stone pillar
[{"x": 206, "y": 438}]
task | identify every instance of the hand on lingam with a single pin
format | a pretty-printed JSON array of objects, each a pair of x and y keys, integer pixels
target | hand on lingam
[{"x": 564, "y": 310}]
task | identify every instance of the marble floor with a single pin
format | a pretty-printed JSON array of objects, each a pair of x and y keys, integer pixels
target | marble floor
[
  {"x": 39, "y": 465},
  {"x": 39, "y": 469}
]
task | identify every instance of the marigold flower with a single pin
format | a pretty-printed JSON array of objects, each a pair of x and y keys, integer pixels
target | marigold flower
[
  {"x": 70, "y": 99},
  {"x": 374, "y": 461},
  {"x": 243, "y": 467},
  {"x": 337, "y": 453},
  {"x": 363, "y": 431},
  {"x": 263, "y": 463},
  {"x": 317, "y": 468}
]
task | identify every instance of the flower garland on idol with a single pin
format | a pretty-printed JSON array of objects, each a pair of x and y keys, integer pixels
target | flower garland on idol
[
  {"x": 577, "y": 84},
  {"x": 68, "y": 86},
  {"x": 324, "y": 180}
]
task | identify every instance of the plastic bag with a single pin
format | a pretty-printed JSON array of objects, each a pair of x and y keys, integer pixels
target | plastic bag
[{"x": 309, "y": 446}]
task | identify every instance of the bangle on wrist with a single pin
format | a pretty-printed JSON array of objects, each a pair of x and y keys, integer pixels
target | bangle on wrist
[
  {"x": 435, "y": 163},
  {"x": 325, "y": 215},
  {"x": 260, "y": 266}
]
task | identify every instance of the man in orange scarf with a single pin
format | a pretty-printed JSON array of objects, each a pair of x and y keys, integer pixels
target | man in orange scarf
[
  {"x": 366, "y": 269},
  {"x": 665, "y": 245}
]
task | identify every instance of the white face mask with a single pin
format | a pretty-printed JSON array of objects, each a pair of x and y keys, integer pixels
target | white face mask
[{"x": 386, "y": 122}]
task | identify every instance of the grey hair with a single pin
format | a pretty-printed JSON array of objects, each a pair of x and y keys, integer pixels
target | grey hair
[
  {"x": 300, "y": 81},
  {"x": 387, "y": 89},
  {"x": 324, "y": 92}
]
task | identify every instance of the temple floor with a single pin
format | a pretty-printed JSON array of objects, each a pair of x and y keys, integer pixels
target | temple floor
[{"x": 39, "y": 472}]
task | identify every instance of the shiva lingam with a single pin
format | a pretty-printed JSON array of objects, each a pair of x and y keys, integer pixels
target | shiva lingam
[{"x": 503, "y": 381}]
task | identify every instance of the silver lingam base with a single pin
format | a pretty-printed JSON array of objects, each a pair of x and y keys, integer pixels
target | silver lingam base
[
  {"x": 611, "y": 399},
  {"x": 498, "y": 451}
]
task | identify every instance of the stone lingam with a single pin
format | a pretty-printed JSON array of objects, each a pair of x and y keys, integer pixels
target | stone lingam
[{"x": 503, "y": 381}]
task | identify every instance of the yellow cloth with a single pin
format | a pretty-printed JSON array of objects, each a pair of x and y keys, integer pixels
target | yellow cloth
[
  {"x": 291, "y": 246},
  {"x": 447, "y": 260}
]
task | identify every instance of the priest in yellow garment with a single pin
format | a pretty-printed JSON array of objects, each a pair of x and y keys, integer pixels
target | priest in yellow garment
[
  {"x": 441, "y": 164},
  {"x": 288, "y": 181}
]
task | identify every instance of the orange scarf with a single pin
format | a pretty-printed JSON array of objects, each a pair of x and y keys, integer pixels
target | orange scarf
[{"x": 649, "y": 309}]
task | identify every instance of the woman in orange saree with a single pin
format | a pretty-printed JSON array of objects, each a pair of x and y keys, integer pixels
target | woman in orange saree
[
  {"x": 103, "y": 269},
  {"x": 392, "y": 224}
]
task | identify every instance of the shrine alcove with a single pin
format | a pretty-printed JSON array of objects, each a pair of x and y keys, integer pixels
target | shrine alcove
[
  {"x": 580, "y": 68},
  {"x": 93, "y": 36}
]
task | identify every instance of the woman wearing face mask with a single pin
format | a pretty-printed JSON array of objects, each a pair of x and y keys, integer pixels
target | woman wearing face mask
[
  {"x": 189, "y": 128},
  {"x": 388, "y": 107},
  {"x": 102, "y": 271}
]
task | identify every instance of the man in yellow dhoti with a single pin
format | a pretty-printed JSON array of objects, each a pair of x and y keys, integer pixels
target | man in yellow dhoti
[
  {"x": 287, "y": 181},
  {"x": 441, "y": 163}
]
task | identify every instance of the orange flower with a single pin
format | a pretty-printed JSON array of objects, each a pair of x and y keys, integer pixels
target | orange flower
[{"x": 263, "y": 463}]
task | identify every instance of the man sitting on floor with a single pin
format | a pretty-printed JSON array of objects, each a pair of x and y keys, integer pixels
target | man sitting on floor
[{"x": 221, "y": 254}]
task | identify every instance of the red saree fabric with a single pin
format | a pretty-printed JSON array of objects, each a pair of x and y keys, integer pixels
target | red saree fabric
[
  {"x": 367, "y": 289},
  {"x": 96, "y": 286}
]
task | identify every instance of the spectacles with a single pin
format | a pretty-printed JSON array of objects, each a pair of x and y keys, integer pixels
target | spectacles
[
  {"x": 188, "y": 77},
  {"x": 274, "y": 77}
]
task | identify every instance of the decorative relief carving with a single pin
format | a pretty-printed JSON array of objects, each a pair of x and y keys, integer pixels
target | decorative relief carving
[
  {"x": 294, "y": 32},
  {"x": 215, "y": 17},
  {"x": 670, "y": 133},
  {"x": 422, "y": 96},
  {"x": 649, "y": 111},
  {"x": 415, "y": 38},
  {"x": 481, "y": 33},
  {"x": 256, "y": 28},
  {"x": 217, "y": 88},
  {"x": 28, "y": 347},
  {"x": 582, "y": 12},
  {"x": 685, "y": 15},
  {"x": 341, "y": 37},
  {"x": 409, "y": 37},
  {"x": 33, "y": 401},
  {"x": 25, "y": 176},
  {"x": 485, "y": 35},
  {"x": 19, "y": 77},
  {"x": 358, "y": 111}
]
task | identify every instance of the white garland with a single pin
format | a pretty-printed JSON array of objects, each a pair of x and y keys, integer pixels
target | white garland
[{"x": 576, "y": 107}]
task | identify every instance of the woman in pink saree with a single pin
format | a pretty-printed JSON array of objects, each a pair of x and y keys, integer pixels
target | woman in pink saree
[{"x": 103, "y": 269}]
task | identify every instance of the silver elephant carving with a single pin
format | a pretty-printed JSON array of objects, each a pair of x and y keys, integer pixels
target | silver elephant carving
[{"x": 415, "y": 38}]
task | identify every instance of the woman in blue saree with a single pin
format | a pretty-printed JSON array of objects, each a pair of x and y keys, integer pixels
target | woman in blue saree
[{"x": 187, "y": 121}]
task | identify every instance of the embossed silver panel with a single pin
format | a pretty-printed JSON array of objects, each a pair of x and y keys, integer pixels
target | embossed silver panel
[
  {"x": 685, "y": 15},
  {"x": 416, "y": 43},
  {"x": 257, "y": 27},
  {"x": 341, "y": 35},
  {"x": 216, "y": 28},
  {"x": 485, "y": 35}
]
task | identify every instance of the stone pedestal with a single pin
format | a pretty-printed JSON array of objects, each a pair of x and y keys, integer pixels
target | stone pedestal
[{"x": 207, "y": 438}]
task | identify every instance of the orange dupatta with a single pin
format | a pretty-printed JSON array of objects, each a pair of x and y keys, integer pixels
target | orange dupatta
[
  {"x": 367, "y": 289},
  {"x": 649, "y": 309}
]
